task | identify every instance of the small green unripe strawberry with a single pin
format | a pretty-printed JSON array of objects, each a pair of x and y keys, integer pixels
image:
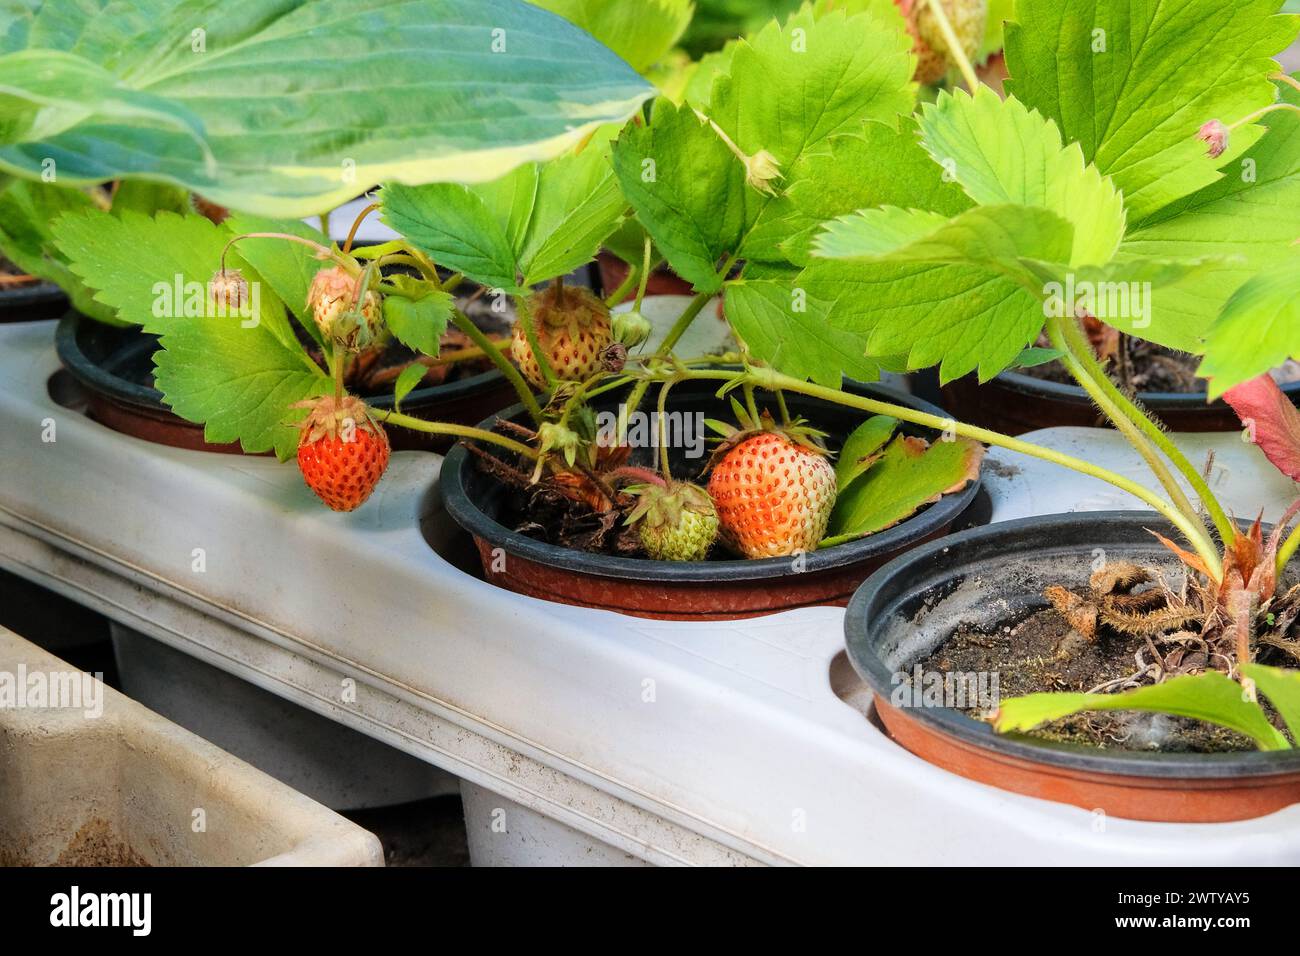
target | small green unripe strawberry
[
  {"x": 631, "y": 328},
  {"x": 676, "y": 520}
]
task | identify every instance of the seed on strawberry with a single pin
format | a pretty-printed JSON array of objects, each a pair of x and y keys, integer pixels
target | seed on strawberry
[
  {"x": 332, "y": 297},
  {"x": 573, "y": 331},
  {"x": 342, "y": 451},
  {"x": 675, "y": 520},
  {"x": 968, "y": 19},
  {"x": 774, "y": 490}
]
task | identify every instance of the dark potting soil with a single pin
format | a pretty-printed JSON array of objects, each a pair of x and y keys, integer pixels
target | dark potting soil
[
  {"x": 1155, "y": 369},
  {"x": 1043, "y": 653}
]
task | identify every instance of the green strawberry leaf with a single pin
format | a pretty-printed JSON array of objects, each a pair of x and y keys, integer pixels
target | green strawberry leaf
[
  {"x": 1132, "y": 81},
  {"x": 538, "y": 222},
  {"x": 862, "y": 448},
  {"x": 787, "y": 328},
  {"x": 1258, "y": 330},
  {"x": 688, "y": 191},
  {"x": 578, "y": 206},
  {"x": 641, "y": 33},
  {"x": 247, "y": 107},
  {"x": 1032, "y": 358},
  {"x": 874, "y": 166},
  {"x": 240, "y": 383},
  {"x": 286, "y": 267},
  {"x": 1247, "y": 220},
  {"x": 959, "y": 294},
  {"x": 238, "y": 375},
  {"x": 453, "y": 225},
  {"x": 833, "y": 72},
  {"x": 909, "y": 475},
  {"x": 1003, "y": 154},
  {"x": 411, "y": 376},
  {"x": 1282, "y": 688},
  {"x": 1211, "y": 697},
  {"x": 417, "y": 315}
]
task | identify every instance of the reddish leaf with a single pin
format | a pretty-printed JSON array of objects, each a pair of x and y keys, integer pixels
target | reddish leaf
[{"x": 1271, "y": 421}]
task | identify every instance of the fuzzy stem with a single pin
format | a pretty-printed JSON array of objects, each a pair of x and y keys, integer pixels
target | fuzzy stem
[
  {"x": 1067, "y": 336},
  {"x": 773, "y": 381},
  {"x": 446, "y": 428},
  {"x": 624, "y": 287},
  {"x": 1261, "y": 113},
  {"x": 663, "y": 428},
  {"x": 1286, "y": 78},
  {"x": 322, "y": 252},
  {"x": 356, "y": 224},
  {"x": 683, "y": 323},
  {"x": 954, "y": 45},
  {"x": 503, "y": 364},
  {"x": 1084, "y": 353},
  {"x": 646, "y": 269},
  {"x": 1288, "y": 550}
]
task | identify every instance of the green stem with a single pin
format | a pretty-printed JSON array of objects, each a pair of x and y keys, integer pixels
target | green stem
[
  {"x": 1081, "y": 348},
  {"x": 954, "y": 45},
  {"x": 626, "y": 286},
  {"x": 663, "y": 428},
  {"x": 446, "y": 428},
  {"x": 683, "y": 323},
  {"x": 646, "y": 269},
  {"x": 785, "y": 412},
  {"x": 1288, "y": 550},
  {"x": 503, "y": 364},
  {"x": 1067, "y": 337},
  {"x": 773, "y": 381}
]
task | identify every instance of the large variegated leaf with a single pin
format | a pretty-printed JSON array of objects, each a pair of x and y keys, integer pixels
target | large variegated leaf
[
  {"x": 288, "y": 107},
  {"x": 640, "y": 31}
]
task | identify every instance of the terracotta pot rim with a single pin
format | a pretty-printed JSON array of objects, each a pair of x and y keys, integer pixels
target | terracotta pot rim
[
  {"x": 1037, "y": 388},
  {"x": 94, "y": 377},
  {"x": 1088, "y": 529},
  {"x": 466, "y": 512}
]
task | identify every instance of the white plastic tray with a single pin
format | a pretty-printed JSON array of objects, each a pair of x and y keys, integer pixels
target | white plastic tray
[{"x": 742, "y": 753}]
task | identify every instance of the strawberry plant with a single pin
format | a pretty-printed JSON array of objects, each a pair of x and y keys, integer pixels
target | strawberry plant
[
  {"x": 280, "y": 379},
  {"x": 1188, "y": 204}
]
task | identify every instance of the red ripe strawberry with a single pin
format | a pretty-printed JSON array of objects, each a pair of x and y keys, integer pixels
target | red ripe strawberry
[
  {"x": 774, "y": 489},
  {"x": 573, "y": 331},
  {"x": 968, "y": 19},
  {"x": 342, "y": 451}
]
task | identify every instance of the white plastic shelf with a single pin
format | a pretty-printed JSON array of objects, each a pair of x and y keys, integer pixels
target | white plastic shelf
[{"x": 677, "y": 743}]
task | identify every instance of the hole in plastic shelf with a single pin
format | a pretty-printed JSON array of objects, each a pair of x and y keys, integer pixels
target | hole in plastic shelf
[
  {"x": 447, "y": 539},
  {"x": 853, "y": 690},
  {"x": 66, "y": 391}
]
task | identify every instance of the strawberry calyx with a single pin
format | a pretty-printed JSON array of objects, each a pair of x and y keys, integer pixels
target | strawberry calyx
[
  {"x": 567, "y": 307},
  {"x": 661, "y": 504},
  {"x": 798, "y": 432},
  {"x": 335, "y": 418}
]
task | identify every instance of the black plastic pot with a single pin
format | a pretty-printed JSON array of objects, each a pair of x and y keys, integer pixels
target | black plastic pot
[
  {"x": 991, "y": 575},
  {"x": 114, "y": 367},
  {"x": 1014, "y": 403},
  {"x": 718, "y": 590},
  {"x": 32, "y": 303}
]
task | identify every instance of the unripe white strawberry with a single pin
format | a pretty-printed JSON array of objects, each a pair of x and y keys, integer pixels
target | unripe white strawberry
[
  {"x": 573, "y": 332},
  {"x": 331, "y": 297}
]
